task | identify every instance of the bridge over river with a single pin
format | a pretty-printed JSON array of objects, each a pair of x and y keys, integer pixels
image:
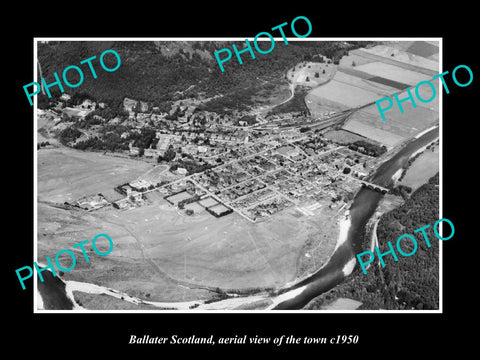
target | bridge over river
[{"x": 374, "y": 187}]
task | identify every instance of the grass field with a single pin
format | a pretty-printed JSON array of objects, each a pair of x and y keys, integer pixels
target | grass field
[
  {"x": 363, "y": 124},
  {"x": 380, "y": 89},
  {"x": 423, "y": 168},
  {"x": 425, "y": 92},
  {"x": 319, "y": 105},
  {"x": 368, "y": 75},
  {"x": 196, "y": 207},
  {"x": 179, "y": 197},
  {"x": 423, "y": 48},
  {"x": 397, "y": 126},
  {"x": 345, "y": 94},
  {"x": 342, "y": 136},
  {"x": 156, "y": 249},
  {"x": 401, "y": 53},
  {"x": 66, "y": 174},
  {"x": 158, "y": 173},
  {"x": 352, "y": 58},
  {"x": 391, "y": 60},
  {"x": 411, "y": 120},
  {"x": 342, "y": 304},
  {"x": 207, "y": 202},
  {"x": 353, "y": 71},
  {"x": 389, "y": 82},
  {"x": 394, "y": 73}
]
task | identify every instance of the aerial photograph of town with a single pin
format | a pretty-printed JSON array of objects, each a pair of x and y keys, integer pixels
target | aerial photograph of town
[{"x": 249, "y": 189}]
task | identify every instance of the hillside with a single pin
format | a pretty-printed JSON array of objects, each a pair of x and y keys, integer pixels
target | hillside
[{"x": 158, "y": 72}]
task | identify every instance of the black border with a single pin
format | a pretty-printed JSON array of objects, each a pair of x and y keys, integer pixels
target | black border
[{"x": 380, "y": 334}]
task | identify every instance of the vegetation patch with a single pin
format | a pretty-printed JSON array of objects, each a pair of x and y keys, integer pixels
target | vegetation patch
[
  {"x": 296, "y": 104},
  {"x": 411, "y": 283}
]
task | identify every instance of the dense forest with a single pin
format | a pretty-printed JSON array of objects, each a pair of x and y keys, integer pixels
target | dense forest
[
  {"x": 411, "y": 282},
  {"x": 150, "y": 73}
]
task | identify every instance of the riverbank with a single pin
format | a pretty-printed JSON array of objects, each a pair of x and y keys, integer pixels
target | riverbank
[{"x": 344, "y": 226}]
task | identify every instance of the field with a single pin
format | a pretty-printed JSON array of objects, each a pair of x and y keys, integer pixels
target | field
[
  {"x": 345, "y": 94},
  {"x": 218, "y": 209},
  {"x": 407, "y": 54},
  {"x": 415, "y": 65},
  {"x": 207, "y": 202},
  {"x": 352, "y": 58},
  {"x": 196, "y": 207},
  {"x": 175, "y": 199},
  {"x": 320, "y": 106},
  {"x": 397, "y": 126},
  {"x": 422, "y": 169},
  {"x": 392, "y": 72},
  {"x": 45, "y": 122},
  {"x": 66, "y": 175},
  {"x": 368, "y": 75},
  {"x": 351, "y": 78},
  {"x": 157, "y": 174},
  {"x": 158, "y": 250},
  {"x": 425, "y": 92},
  {"x": 342, "y": 304},
  {"x": 342, "y": 136},
  {"x": 423, "y": 49},
  {"x": 389, "y": 82}
]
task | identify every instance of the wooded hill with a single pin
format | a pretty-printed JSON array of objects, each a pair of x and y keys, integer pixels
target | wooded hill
[
  {"x": 159, "y": 72},
  {"x": 411, "y": 282}
]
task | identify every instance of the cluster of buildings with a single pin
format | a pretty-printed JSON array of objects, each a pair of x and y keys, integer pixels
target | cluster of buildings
[
  {"x": 262, "y": 178},
  {"x": 254, "y": 171},
  {"x": 89, "y": 203}
]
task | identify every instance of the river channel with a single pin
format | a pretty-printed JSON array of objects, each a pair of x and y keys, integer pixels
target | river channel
[{"x": 363, "y": 207}]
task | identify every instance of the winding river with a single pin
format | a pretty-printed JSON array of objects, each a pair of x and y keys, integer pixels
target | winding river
[{"x": 362, "y": 209}]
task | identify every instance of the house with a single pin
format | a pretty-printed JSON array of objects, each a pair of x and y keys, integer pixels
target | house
[
  {"x": 139, "y": 185},
  {"x": 134, "y": 150},
  {"x": 135, "y": 196},
  {"x": 88, "y": 104},
  {"x": 189, "y": 149},
  {"x": 153, "y": 152},
  {"x": 181, "y": 171},
  {"x": 129, "y": 104}
]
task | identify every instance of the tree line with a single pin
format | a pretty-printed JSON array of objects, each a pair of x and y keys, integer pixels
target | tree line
[{"x": 410, "y": 283}]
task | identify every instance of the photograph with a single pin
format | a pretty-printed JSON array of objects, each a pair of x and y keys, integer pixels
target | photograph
[
  {"x": 202, "y": 183},
  {"x": 226, "y": 181}
]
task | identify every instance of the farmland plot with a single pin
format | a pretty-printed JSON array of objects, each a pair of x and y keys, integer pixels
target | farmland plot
[
  {"x": 393, "y": 72},
  {"x": 345, "y": 94}
]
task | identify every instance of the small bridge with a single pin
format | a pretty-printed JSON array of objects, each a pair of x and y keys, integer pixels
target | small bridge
[{"x": 374, "y": 187}]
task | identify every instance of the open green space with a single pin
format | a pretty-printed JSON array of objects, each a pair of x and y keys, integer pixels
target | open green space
[
  {"x": 158, "y": 250},
  {"x": 423, "y": 168}
]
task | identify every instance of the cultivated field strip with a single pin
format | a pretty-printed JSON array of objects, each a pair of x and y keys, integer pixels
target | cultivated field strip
[
  {"x": 394, "y": 62},
  {"x": 368, "y": 75}
]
